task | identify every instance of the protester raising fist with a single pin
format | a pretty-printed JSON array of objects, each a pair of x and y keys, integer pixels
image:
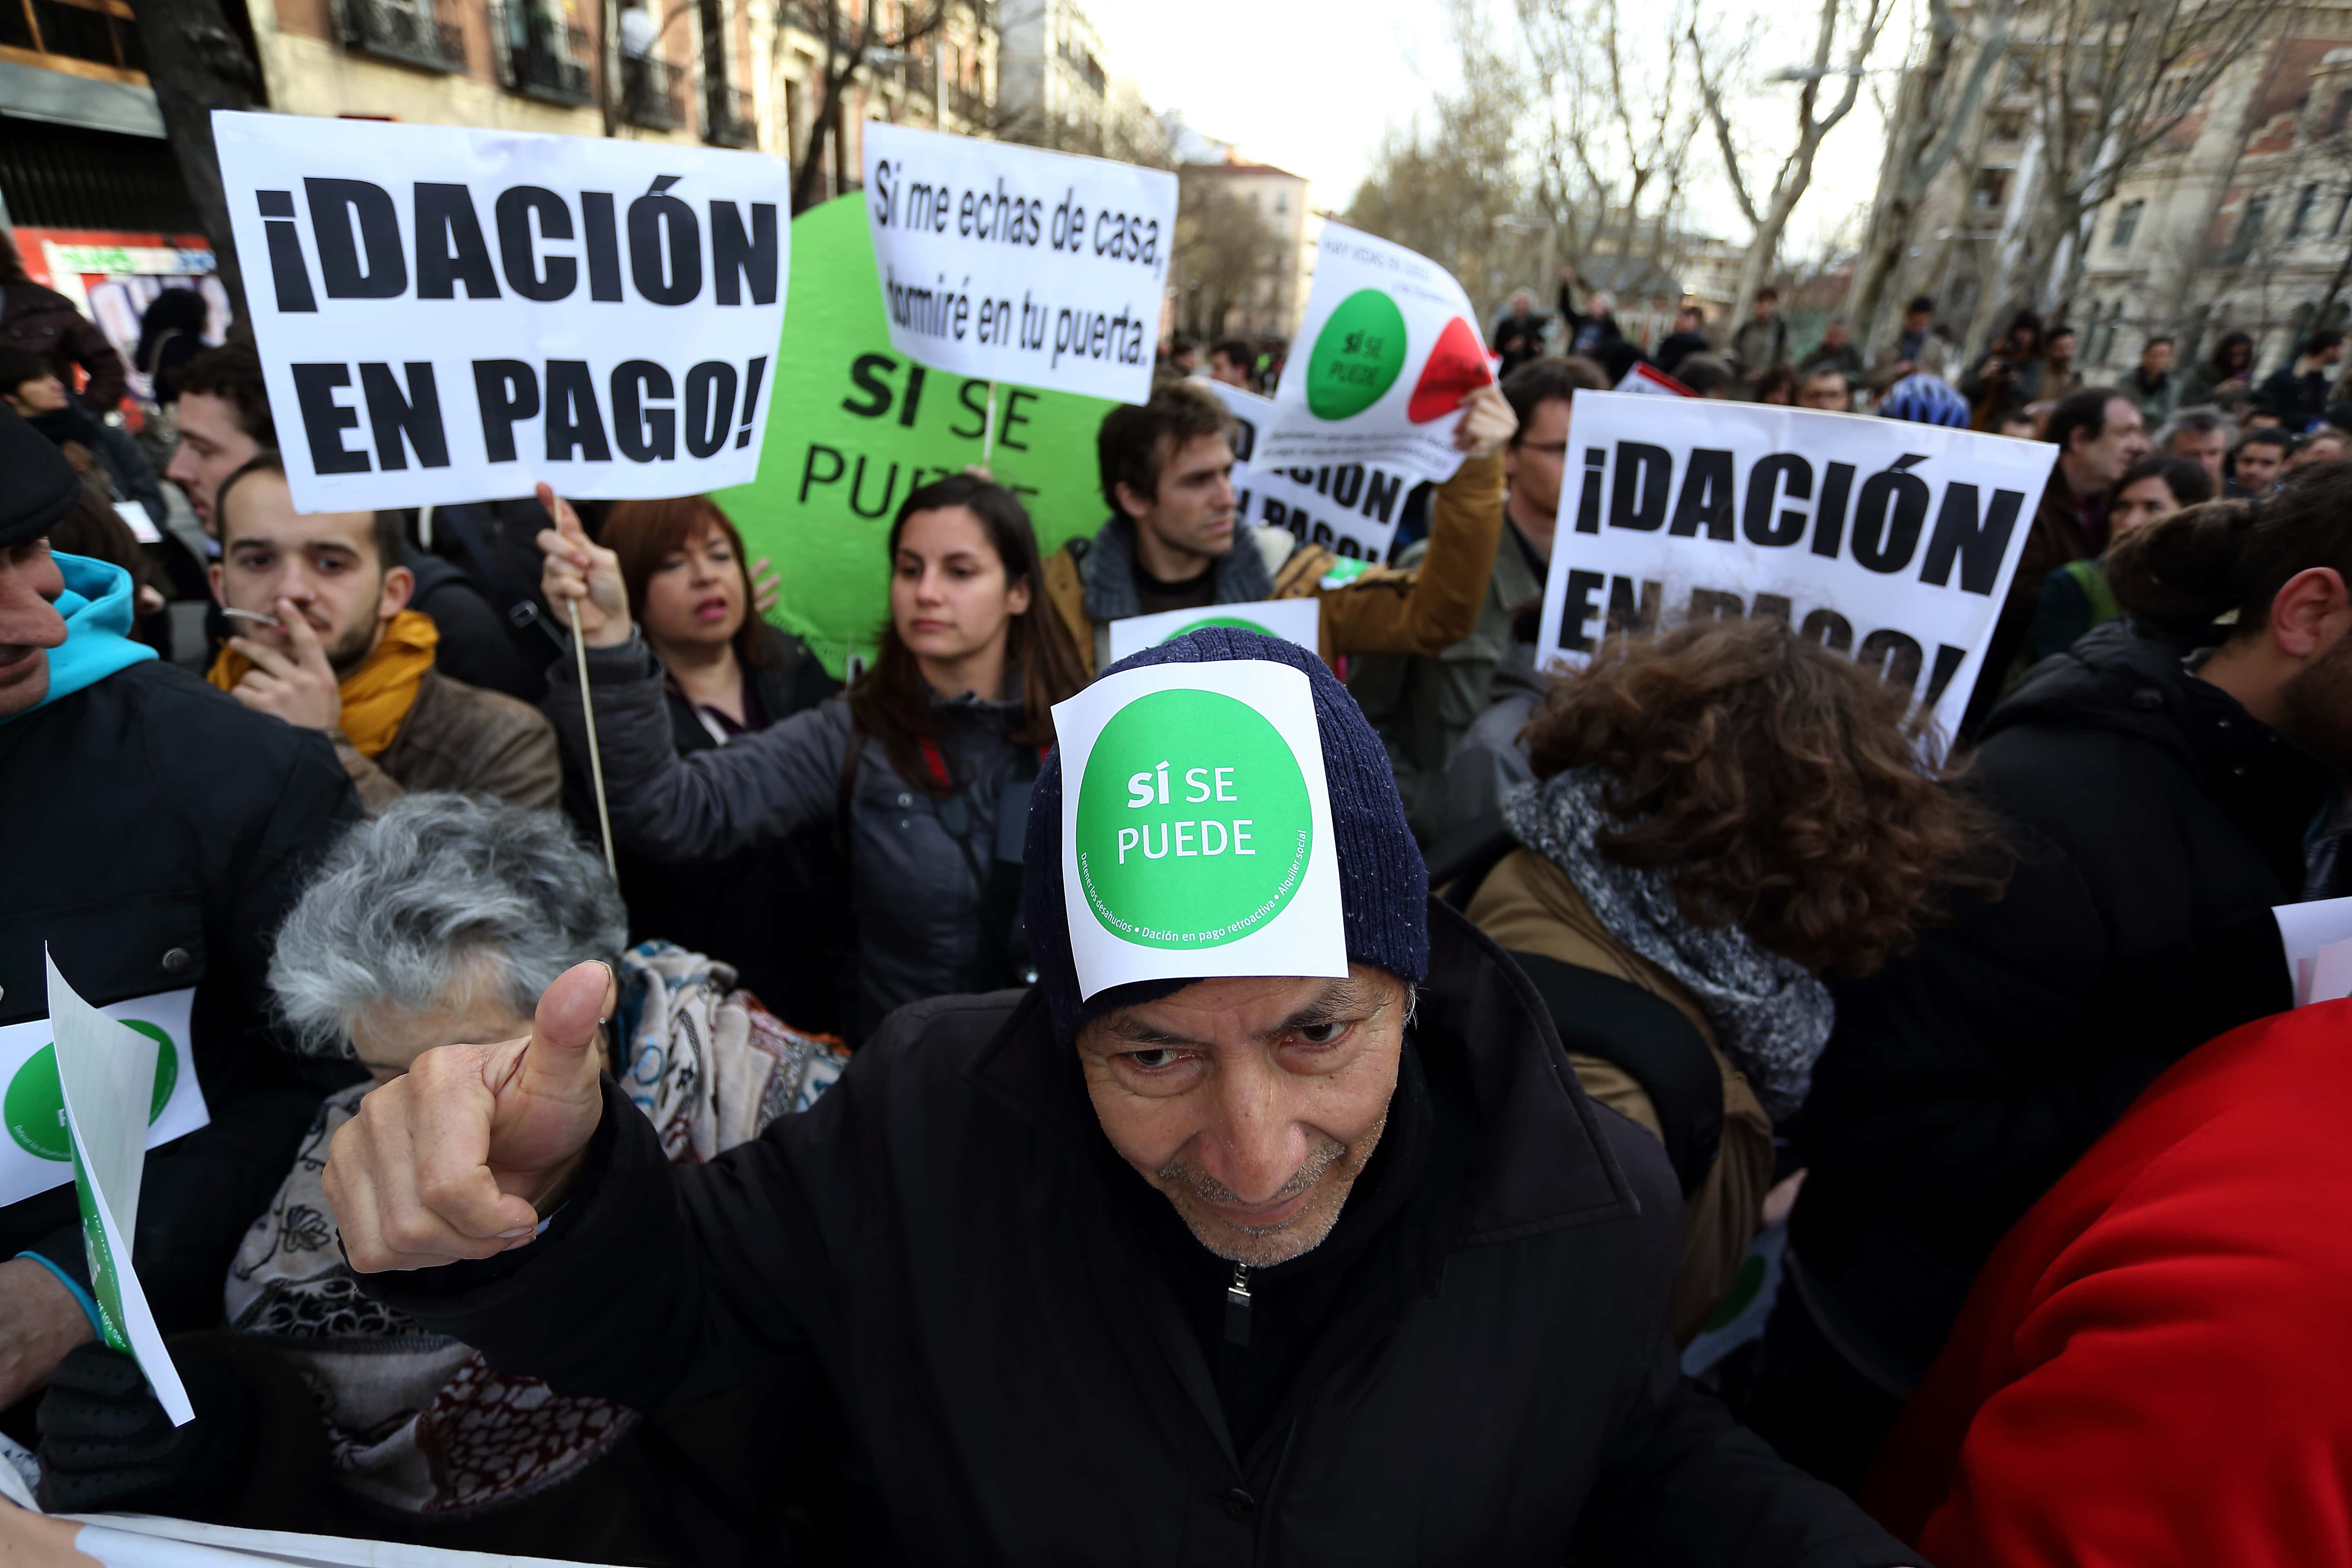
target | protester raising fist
[
  {"x": 578, "y": 572},
  {"x": 465, "y": 1154}
]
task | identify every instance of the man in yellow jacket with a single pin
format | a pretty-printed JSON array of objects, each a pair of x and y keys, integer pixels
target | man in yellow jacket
[
  {"x": 1169, "y": 544},
  {"x": 325, "y": 640}
]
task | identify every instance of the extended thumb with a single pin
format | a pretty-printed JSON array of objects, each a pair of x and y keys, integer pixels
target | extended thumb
[{"x": 565, "y": 1025}]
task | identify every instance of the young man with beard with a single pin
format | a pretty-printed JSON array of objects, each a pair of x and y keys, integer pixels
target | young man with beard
[
  {"x": 1175, "y": 540},
  {"x": 2160, "y": 781},
  {"x": 326, "y": 641},
  {"x": 1339, "y": 1268}
]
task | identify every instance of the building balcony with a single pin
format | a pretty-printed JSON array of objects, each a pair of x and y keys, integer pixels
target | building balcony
[
  {"x": 653, "y": 94},
  {"x": 549, "y": 64},
  {"x": 727, "y": 119},
  {"x": 405, "y": 31}
]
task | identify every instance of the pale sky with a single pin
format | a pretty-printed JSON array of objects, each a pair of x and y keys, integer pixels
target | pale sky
[{"x": 1310, "y": 85}]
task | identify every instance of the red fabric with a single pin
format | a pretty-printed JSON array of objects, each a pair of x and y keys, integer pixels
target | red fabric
[{"x": 2156, "y": 1367}]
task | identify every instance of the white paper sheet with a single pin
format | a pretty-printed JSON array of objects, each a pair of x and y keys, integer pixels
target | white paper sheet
[{"x": 107, "y": 1072}]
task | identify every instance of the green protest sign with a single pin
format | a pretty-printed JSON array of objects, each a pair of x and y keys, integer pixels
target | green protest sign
[{"x": 853, "y": 427}]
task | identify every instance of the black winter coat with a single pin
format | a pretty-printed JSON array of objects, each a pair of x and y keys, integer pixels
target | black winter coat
[
  {"x": 155, "y": 833},
  {"x": 947, "y": 1244},
  {"x": 2156, "y": 824}
]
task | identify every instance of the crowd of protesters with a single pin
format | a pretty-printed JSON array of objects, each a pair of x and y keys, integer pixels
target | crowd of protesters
[{"x": 772, "y": 1192}]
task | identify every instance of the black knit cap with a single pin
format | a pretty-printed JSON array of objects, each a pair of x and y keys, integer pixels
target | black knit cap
[
  {"x": 38, "y": 486},
  {"x": 1383, "y": 885}
]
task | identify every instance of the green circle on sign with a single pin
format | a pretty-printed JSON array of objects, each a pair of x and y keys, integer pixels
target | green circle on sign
[
  {"x": 1231, "y": 623},
  {"x": 1227, "y": 849},
  {"x": 1357, "y": 355},
  {"x": 34, "y": 1107}
]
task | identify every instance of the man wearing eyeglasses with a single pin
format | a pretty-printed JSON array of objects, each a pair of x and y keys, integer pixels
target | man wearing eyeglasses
[{"x": 1422, "y": 705}]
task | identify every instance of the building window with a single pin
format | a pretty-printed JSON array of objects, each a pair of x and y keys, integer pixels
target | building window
[
  {"x": 1282, "y": 201},
  {"x": 1991, "y": 189},
  {"x": 2126, "y": 225},
  {"x": 2343, "y": 211},
  {"x": 92, "y": 31},
  {"x": 2250, "y": 230},
  {"x": 2341, "y": 114},
  {"x": 2303, "y": 206}
]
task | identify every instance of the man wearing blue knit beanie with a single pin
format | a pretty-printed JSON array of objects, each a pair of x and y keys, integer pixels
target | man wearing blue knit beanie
[{"x": 1268, "y": 1225}]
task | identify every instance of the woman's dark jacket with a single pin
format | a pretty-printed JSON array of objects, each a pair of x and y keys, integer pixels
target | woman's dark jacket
[
  {"x": 2157, "y": 825},
  {"x": 1006, "y": 1367},
  {"x": 920, "y": 909},
  {"x": 772, "y": 910}
]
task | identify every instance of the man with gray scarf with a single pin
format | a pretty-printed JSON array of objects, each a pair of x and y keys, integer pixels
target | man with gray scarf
[{"x": 1166, "y": 472}]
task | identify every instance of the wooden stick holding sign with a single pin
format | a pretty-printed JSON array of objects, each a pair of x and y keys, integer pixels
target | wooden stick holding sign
[
  {"x": 988, "y": 428},
  {"x": 567, "y": 521}
]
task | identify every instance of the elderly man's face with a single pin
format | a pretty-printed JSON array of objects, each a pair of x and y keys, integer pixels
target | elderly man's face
[{"x": 1253, "y": 1104}]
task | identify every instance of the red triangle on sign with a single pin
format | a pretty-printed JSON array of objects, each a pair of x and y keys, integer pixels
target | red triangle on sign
[{"x": 1457, "y": 367}]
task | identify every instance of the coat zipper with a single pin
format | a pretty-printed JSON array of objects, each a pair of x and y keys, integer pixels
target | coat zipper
[{"x": 1237, "y": 1307}]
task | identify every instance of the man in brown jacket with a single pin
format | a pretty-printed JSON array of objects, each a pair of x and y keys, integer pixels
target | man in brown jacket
[
  {"x": 325, "y": 640},
  {"x": 1166, "y": 472}
]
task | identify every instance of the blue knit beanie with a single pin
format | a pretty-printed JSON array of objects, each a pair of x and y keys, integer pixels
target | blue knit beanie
[
  {"x": 1924, "y": 399},
  {"x": 1383, "y": 886}
]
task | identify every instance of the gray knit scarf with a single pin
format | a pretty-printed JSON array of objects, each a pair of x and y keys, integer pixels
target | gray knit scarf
[
  {"x": 1770, "y": 1015},
  {"x": 1109, "y": 572}
]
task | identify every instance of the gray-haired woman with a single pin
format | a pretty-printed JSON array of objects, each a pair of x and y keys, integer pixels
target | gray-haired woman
[{"x": 439, "y": 920}]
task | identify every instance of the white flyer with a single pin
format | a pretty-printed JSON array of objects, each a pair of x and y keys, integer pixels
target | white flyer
[
  {"x": 1293, "y": 620},
  {"x": 446, "y": 313},
  {"x": 1889, "y": 541},
  {"x": 1013, "y": 263},
  {"x": 106, "y": 1072},
  {"x": 36, "y": 1154},
  {"x": 1388, "y": 352},
  {"x": 1196, "y": 827}
]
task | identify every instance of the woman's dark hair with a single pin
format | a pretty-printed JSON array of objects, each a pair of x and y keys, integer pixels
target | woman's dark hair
[
  {"x": 891, "y": 702},
  {"x": 2187, "y": 481},
  {"x": 12, "y": 264},
  {"x": 1778, "y": 786},
  {"x": 173, "y": 310},
  {"x": 2181, "y": 572},
  {"x": 1777, "y": 378},
  {"x": 2024, "y": 320},
  {"x": 2233, "y": 353},
  {"x": 643, "y": 534}
]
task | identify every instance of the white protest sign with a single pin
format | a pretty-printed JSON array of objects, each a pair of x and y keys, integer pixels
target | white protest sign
[
  {"x": 1196, "y": 827},
  {"x": 1652, "y": 382},
  {"x": 1293, "y": 620},
  {"x": 106, "y": 1073},
  {"x": 1386, "y": 356},
  {"x": 448, "y": 314},
  {"x": 1008, "y": 263},
  {"x": 1891, "y": 541},
  {"x": 2305, "y": 931},
  {"x": 1351, "y": 509},
  {"x": 36, "y": 1155}
]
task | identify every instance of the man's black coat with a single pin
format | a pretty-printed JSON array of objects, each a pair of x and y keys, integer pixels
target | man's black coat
[
  {"x": 941, "y": 1241},
  {"x": 2156, "y": 824},
  {"x": 155, "y": 832}
]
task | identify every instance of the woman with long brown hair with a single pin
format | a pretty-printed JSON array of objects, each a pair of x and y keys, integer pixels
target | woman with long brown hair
[
  {"x": 924, "y": 764},
  {"x": 1721, "y": 815}
]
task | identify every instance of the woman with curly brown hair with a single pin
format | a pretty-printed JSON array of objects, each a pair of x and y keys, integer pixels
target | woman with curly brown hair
[{"x": 1720, "y": 814}]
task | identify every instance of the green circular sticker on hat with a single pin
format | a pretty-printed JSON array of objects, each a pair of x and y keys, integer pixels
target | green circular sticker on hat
[
  {"x": 1357, "y": 357},
  {"x": 1231, "y": 623},
  {"x": 34, "y": 1107},
  {"x": 1194, "y": 825}
]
